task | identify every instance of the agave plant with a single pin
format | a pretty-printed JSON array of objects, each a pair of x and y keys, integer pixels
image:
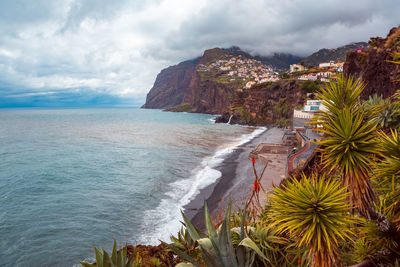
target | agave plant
[
  {"x": 216, "y": 247},
  {"x": 314, "y": 211},
  {"x": 186, "y": 244},
  {"x": 118, "y": 258}
]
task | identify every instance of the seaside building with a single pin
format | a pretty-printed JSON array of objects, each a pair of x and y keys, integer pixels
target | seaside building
[{"x": 309, "y": 109}]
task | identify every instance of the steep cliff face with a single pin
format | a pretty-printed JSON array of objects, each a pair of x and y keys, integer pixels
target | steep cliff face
[
  {"x": 267, "y": 103},
  {"x": 209, "y": 95},
  {"x": 170, "y": 85},
  {"x": 194, "y": 86},
  {"x": 187, "y": 87},
  {"x": 373, "y": 66}
]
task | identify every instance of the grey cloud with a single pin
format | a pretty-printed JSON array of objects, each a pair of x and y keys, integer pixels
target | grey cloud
[{"x": 118, "y": 47}]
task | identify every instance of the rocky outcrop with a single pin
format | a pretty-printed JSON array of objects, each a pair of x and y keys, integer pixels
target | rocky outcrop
[
  {"x": 266, "y": 103},
  {"x": 184, "y": 88},
  {"x": 170, "y": 85},
  {"x": 373, "y": 66}
]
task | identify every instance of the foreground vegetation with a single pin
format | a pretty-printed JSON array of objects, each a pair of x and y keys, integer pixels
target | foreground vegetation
[{"x": 345, "y": 212}]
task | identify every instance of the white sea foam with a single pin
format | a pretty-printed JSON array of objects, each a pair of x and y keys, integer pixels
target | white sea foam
[
  {"x": 165, "y": 219},
  {"x": 213, "y": 119}
]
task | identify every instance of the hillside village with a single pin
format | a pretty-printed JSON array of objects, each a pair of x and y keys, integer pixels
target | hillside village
[
  {"x": 255, "y": 72},
  {"x": 241, "y": 68},
  {"x": 324, "y": 72}
]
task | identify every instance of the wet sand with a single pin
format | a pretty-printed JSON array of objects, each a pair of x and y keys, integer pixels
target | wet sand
[{"x": 236, "y": 181}]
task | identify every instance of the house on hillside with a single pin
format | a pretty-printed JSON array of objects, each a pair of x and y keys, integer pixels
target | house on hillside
[
  {"x": 249, "y": 84},
  {"x": 327, "y": 64},
  {"x": 296, "y": 67}
]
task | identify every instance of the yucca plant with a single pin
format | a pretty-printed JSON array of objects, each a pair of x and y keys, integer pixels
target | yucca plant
[
  {"x": 384, "y": 112},
  {"x": 216, "y": 247},
  {"x": 349, "y": 141},
  {"x": 387, "y": 171},
  {"x": 314, "y": 211},
  {"x": 389, "y": 166},
  {"x": 340, "y": 94},
  {"x": 118, "y": 258},
  {"x": 349, "y": 145}
]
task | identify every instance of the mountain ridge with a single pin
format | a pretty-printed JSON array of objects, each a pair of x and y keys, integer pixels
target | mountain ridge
[{"x": 333, "y": 54}]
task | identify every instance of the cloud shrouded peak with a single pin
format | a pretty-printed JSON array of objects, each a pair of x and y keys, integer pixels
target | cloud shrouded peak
[{"x": 94, "y": 49}]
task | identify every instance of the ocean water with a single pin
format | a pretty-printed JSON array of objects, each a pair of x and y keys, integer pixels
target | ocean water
[{"x": 71, "y": 179}]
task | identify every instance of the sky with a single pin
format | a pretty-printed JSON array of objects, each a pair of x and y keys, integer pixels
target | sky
[{"x": 108, "y": 53}]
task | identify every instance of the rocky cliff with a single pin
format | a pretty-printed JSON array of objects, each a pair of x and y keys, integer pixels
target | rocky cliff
[
  {"x": 199, "y": 85},
  {"x": 373, "y": 66},
  {"x": 266, "y": 103},
  {"x": 171, "y": 84},
  {"x": 185, "y": 87},
  {"x": 215, "y": 83}
]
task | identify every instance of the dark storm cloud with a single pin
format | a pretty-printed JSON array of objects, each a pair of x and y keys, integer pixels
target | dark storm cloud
[
  {"x": 299, "y": 27},
  {"x": 51, "y": 48}
]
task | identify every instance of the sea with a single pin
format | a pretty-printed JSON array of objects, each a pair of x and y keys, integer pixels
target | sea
[{"x": 72, "y": 179}]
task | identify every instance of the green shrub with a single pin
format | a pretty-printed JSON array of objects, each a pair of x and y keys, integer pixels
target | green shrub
[{"x": 310, "y": 86}]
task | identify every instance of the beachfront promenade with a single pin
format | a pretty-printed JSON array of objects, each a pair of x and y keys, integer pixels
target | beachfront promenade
[
  {"x": 272, "y": 154},
  {"x": 278, "y": 159}
]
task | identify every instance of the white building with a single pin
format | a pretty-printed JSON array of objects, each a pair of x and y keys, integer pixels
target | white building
[
  {"x": 309, "y": 109},
  {"x": 312, "y": 106},
  {"x": 312, "y": 77},
  {"x": 326, "y": 64},
  {"x": 249, "y": 84},
  {"x": 296, "y": 67}
]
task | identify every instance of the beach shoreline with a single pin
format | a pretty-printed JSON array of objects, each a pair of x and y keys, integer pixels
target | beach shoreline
[{"x": 235, "y": 183}]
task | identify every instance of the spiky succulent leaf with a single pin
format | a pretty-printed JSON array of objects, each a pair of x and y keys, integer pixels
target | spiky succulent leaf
[
  {"x": 350, "y": 140},
  {"x": 114, "y": 252},
  {"x": 314, "y": 211},
  {"x": 99, "y": 257},
  {"x": 390, "y": 151},
  {"x": 181, "y": 254},
  {"x": 247, "y": 242},
  {"x": 193, "y": 232}
]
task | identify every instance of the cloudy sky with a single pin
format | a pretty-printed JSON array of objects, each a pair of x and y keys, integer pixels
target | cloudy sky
[{"x": 102, "y": 52}]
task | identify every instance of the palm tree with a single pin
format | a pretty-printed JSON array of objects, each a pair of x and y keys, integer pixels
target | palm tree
[{"x": 313, "y": 210}]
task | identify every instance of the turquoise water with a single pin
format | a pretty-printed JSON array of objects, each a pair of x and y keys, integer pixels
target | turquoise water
[{"x": 74, "y": 178}]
